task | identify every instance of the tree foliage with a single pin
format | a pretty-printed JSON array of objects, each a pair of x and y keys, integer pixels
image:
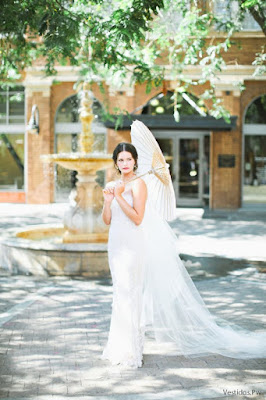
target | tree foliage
[{"x": 121, "y": 41}]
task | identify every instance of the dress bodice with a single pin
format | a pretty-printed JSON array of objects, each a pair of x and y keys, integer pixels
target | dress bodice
[
  {"x": 118, "y": 215},
  {"x": 122, "y": 228}
]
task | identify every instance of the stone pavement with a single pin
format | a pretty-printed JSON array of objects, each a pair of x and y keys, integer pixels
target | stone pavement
[
  {"x": 236, "y": 239},
  {"x": 52, "y": 338},
  {"x": 52, "y": 330}
]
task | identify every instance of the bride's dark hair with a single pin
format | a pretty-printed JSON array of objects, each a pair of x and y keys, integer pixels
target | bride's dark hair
[{"x": 124, "y": 146}]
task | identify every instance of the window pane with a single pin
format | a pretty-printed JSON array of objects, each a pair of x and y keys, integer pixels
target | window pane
[
  {"x": 228, "y": 9},
  {"x": 12, "y": 101},
  {"x": 189, "y": 168},
  {"x": 161, "y": 104},
  {"x": 166, "y": 145},
  {"x": 69, "y": 110},
  {"x": 64, "y": 178},
  {"x": 99, "y": 142},
  {"x": 164, "y": 104},
  {"x": 255, "y": 169},
  {"x": 11, "y": 161},
  {"x": 66, "y": 143},
  {"x": 249, "y": 23},
  {"x": 2, "y": 108},
  {"x": 222, "y": 7},
  {"x": 256, "y": 113},
  {"x": 16, "y": 107}
]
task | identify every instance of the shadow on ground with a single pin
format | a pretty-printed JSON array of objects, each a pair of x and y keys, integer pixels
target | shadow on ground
[{"x": 53, "y": 347}]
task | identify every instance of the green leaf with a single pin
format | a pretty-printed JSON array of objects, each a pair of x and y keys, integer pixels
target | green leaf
[{"x": 249, "y": 3}]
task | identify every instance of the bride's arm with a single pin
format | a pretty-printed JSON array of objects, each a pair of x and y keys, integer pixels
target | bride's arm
[
  {"x": 139, "y": 191},
  {"x": 107, "y": 213},
  {"x": 108, "y": 194}
]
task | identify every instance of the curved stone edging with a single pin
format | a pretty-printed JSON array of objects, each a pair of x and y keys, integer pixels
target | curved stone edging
[{"x": 38, "y": 257}]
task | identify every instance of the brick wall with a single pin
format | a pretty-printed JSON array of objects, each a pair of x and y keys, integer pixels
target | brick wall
[
  {"x": 40, "y": 181},
  {"x": 12, "y": 197},
  {"x": 244, "y": 49},
  {"x": 225, "y": 183}
]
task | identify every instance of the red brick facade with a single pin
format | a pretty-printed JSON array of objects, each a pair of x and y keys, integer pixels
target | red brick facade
[{"x": 225, "y": 183}]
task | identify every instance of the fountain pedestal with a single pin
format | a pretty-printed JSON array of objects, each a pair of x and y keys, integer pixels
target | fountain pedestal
[{"x": 83, "y": 221}]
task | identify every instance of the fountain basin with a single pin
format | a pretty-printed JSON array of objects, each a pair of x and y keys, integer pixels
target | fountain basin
[
  {"x": 39, "y": 250},
  {"x": 80, "y": 161},
  {"x": 83, "y": 219}
]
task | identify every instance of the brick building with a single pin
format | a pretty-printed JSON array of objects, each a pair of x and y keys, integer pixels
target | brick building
[{"x": 212, "y": 163}]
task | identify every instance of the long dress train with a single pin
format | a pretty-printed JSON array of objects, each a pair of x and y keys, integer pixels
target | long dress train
[{"x": 153, "y": 292}]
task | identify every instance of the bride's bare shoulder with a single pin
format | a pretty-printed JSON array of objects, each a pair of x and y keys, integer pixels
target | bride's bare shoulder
[{"x": 139, "y": 184}]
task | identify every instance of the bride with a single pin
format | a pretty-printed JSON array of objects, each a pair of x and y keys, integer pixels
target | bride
[{"x": 152, "y": 291}]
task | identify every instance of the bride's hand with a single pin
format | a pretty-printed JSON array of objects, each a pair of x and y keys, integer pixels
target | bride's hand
[
  {"x": 119, "y": 189},
  {"x": 108, "y": 194}
]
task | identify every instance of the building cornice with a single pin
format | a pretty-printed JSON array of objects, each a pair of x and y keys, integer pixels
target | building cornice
[
  {"x": 230, "y": 78},
  {"x": 230, "y": 73}
]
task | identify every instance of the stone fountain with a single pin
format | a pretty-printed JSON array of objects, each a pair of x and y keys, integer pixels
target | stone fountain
[
  {"x": 79, "y": 245},
  {"x": 83, "y": 222}
]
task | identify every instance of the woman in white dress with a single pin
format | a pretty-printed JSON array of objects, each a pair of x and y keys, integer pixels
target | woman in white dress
[
  {"x": 124, "y": 209},
  {"x": 152, "y": 291}
]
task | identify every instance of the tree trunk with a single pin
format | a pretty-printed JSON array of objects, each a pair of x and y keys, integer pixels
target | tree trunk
[{"x": 258, "y": 13}]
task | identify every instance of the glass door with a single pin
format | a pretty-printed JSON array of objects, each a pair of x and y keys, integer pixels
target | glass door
[
  {"x": 190, "y": 170},
  {"x": 188, "y": 156},
  {"x": 167, "y": 147},
  {"x": 254, "y": 190}
]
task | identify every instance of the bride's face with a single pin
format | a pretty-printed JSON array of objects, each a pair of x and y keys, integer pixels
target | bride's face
[{"x": 125, "y": 162}]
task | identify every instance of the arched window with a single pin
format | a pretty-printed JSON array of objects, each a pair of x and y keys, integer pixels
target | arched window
[
  {"x": 254, "y": 190},
  {"x": 68, "y": 111},
  {"x": 188, "y": 104},
  {"x": 256, "y": 112},
  {"x": 67, "y": 129},
  {"x": 68, "y": 125}
]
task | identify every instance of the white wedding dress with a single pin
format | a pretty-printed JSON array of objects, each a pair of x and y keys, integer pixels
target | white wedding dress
[
  {"x": 152, "y": 292},
  {"x": 126, "y": 251}
]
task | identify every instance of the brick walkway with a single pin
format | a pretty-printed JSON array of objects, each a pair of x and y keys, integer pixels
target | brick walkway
[
  {"x": 52, "y": 337},
  {"x": 52, "y": 330}
]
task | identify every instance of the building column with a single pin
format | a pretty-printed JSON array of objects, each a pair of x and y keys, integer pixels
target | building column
[
  {"x": 40, "y": 177},
  {"x": 226, "y": 156}
]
